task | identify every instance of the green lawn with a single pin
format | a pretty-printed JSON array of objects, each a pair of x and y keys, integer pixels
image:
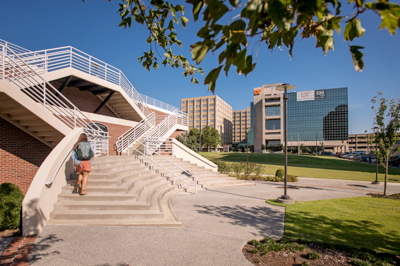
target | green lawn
[
  {"x": 310, "y": 166},
  {"x": 371, "y": 223}
]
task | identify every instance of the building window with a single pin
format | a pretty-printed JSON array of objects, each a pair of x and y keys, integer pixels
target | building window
[
  {"x": 272, "y": 100},
  {"x": 272, "y": 110},
  {"x": 273, "y": 124}
]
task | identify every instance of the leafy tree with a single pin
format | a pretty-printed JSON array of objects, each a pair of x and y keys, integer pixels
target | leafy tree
[
  {"x": 233, "y": 30},
  {"x": 387, "y": 119},
  {"x": 321, "y": 148},
  {"x": 210, "y": 137},
  {"x": 190, "y": 140},
  {"x": 304, "y": 149},
  {"x": 281, "y": 147},
  {"x": 263, "y": 147}
]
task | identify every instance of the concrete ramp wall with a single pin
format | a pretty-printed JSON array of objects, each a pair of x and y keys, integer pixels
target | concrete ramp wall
[
  {"x": 39, "y": 200},
  {"x": 181, "y": 151}
]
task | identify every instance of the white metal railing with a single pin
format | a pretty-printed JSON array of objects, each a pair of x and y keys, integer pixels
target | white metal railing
[
  {"x": 48, "y": 60},
  {"x": 157, "y": 136},
  {"x": 24, "y": 75},
  {"x": 17, "y": 49},
  {"x": 158, "y": 103},
  {"x": 152, "y": 161},
  {"x": 133, "y": 134}
]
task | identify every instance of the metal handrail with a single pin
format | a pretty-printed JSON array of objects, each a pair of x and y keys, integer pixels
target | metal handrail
[
  {"x": 48, "y": 184},
  {"x": 134, "y": 133},
  {"x": 153, "y": 138},
  {"x": 62, "y": 57},
  {"x": 38, "y": 89},
  {"x": 17, "y": 49},
  {"x": 157, "y": 103},
  {"x": 152, "y": 161}
]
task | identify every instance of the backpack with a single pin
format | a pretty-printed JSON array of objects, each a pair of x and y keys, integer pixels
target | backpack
[{"x": 84, "y": 151}]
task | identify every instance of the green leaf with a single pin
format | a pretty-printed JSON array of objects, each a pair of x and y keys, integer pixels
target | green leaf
[
  {"x": 325, "y": 40},
  {"x": 199, "y": 51},
  {"x": 233, "y": 2},
  {"x": 353, "y": 30},
  {"x": 390, "y": 19},
  {"x": 212, "y": 78},
  {"x": 239, "y": 60},
  {"x": 357, "y": 57},
  {"x": 172, "y": 9},
  {"x": 184, "y": 21}
]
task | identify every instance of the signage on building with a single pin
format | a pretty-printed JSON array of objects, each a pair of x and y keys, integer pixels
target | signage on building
[
  {"x": 320, "y": 94},
  {"x": 311, "y": 95},
  {"x": 305, "y": 96},
  {"x": 257, "y": 91}
]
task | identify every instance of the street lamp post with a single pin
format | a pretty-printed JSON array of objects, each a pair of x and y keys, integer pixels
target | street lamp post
[
  {"x": 200, "y": 141},
  {"x": 285, "y": 87},
  {"x": 376, "y": 130},
  {"x": 247, "y": 144}
]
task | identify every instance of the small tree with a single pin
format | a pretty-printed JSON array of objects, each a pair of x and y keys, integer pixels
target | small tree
[
  {"x": 210, "y": 137},
  {"x": 304, "y": 149},
  {"x": 281, "y": 148},
  {"x": 388, "y": 122},
  {"x": 190, "y": 140},
  {"x": 263, "y": 147}
]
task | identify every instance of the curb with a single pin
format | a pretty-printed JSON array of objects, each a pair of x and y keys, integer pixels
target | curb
[{"x": 18, "y": 251}]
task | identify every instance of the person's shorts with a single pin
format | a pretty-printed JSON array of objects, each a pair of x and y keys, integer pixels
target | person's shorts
[{"x": 84, "y": 166}]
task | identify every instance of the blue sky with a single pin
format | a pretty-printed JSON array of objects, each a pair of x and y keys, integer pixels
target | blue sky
[{"x": 93, "y": 28}]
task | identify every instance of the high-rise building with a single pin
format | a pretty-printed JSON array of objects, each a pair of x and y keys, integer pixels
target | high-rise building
[
  {"x": 211, "y": 111},
  {"x": 315, "y": 118},
  {"x": 241, "y": 125}
]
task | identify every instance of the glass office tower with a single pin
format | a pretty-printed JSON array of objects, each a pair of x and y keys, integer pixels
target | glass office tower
[{"x": 320, "y": 116}]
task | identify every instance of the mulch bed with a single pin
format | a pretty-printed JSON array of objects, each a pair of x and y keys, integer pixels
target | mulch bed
[
  {"x": 328, "y": 256},
  {"x": 377, "y": 195}
]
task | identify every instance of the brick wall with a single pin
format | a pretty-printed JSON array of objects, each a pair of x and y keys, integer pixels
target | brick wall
[
  {"x": 86, "y": 101},
  {"x": 176, "y": 134},
  {"x": 20, "y": 155},
  {"x": 114, "y": 131}
]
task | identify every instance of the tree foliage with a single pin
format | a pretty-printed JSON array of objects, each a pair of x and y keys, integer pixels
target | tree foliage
[
  {"x": 191, "y": 139},
  {"x": 235, "y": 30},
  {"x": 210, "y": 137},
  {"x": 387, "y": 120}
]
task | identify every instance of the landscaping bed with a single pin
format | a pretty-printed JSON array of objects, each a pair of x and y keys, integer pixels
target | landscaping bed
[
  {"x": 266, "y": 252},
  {"x": 377, "y": 195}
]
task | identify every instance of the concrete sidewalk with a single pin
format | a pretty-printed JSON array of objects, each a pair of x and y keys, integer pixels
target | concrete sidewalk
[{"x": 216, "y": 225}]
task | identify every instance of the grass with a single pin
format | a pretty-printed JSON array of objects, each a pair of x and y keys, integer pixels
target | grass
[
  {"x": 310, "y": 166},
  {"x": 364, "y": 223}
]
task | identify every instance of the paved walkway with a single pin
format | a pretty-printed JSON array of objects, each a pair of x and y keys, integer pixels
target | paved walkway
[{"x": 216, "y": 225}]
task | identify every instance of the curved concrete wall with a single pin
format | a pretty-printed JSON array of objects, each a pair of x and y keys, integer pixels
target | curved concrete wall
[{"x": 39, "y": 200}]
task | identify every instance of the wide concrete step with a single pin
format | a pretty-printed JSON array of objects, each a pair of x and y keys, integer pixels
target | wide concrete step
[
  {"x": 117, "y": 167},
  {"x": 97, "y": 197},
  {"x": 120, "y": 180},
  {"x": 100, "y": 205},
  {"x": 119, "y": 222},
  {"x": 105, "y": 214},
  {"x": 114, "y": 174}
]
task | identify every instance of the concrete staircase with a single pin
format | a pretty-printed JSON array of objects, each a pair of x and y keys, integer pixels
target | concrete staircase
[
  {"x": 206, "y": 178},
  {"x": 122, "y": 190},
  {"x": 125, "y": 190}
]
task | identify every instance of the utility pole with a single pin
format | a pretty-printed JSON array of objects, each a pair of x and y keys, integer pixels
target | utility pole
[
  {"x": 316, "y": 144},
  {"x": 298, "y": 144}
]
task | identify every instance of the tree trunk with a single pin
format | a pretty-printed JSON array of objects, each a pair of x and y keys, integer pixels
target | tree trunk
[{"x": 386, "y": 173}]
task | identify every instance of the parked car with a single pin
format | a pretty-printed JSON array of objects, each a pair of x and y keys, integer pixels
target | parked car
[
  {"x": 264, "y": 151},
  {"x": 327, "y": 153},
  {"x": 344, "y": 155},
  {"x": 358, "y": 157},
  {"x": 394, "y": 161}
]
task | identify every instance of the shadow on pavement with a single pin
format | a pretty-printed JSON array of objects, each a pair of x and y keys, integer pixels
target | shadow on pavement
[
  {"x": 264, "y": 219},
  {"x": 39, "y": 250}
]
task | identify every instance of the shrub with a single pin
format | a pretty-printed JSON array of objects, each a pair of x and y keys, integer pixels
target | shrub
[
  {"x": 312, "y": 255},
  {"x": 10, "y": 206},
  {"x": 237, "y": 168},
  {"x": 280, "y": 173},
  {"x": 258, "y": 169},
  {"x": 292, "y": 178},
  {"x": 223, "y": 167},
  {"x": 305, "y": 263},
  {"x": 249, "y": 169}
]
